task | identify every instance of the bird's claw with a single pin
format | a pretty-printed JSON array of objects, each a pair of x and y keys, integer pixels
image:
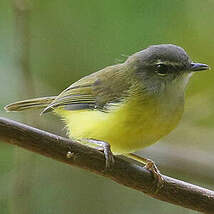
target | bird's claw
[
  {"x": 106, "y": 149},
  {"x": 158, "y": 183}
]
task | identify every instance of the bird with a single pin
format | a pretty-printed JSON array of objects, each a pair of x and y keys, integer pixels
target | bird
[{"x": 124, "y": 107}]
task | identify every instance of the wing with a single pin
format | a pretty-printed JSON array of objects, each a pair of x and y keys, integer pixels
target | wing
[{"x": 95, "y": 91}]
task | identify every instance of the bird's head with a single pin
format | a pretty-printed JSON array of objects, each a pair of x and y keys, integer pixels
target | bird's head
[{"x": 159, "y": 66}]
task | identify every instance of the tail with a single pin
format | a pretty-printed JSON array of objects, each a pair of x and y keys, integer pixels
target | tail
[{"x": 41, "y": 102}]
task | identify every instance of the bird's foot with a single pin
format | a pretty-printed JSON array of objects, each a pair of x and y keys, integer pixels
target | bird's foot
[
  {"x": 150, "y": 165},
  {"x": 158, "y": 179},
  {"x": 106, "y": 149}
]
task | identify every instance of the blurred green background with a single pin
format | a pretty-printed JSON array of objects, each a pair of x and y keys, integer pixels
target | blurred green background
[{"x": 47, "y": 45}]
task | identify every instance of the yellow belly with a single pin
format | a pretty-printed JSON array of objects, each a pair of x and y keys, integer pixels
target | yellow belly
[{"x": 128, "y": 127}]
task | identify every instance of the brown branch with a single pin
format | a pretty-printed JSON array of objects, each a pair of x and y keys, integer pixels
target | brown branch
[
  {"x": 22, "y": 11},
  {"x": 22, "y": 16},
  {"x": 123, "y": 172}
]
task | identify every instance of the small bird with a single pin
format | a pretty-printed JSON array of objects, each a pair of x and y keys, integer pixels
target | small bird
[{"x": 125, "y": 107}]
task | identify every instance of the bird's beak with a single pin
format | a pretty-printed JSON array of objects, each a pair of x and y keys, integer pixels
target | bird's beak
[{"x": 198, "y": 67}]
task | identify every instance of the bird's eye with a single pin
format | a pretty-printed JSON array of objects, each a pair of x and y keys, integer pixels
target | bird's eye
[{"x": 162, "y": 69}]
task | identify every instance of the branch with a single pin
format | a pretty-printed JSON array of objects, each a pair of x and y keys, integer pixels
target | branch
[
  {"x": 22, "y": 11},
  {"x": 22, "y": 15},
  {"x": 123, "y": 172}
]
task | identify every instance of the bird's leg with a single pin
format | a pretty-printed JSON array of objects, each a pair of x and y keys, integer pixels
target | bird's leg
[
  {"x": 150, "y": 165},
  {"x": 106, "y": 148}
]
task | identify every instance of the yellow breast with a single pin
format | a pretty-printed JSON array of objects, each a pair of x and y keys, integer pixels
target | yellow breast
[{"x": 128, "y": 127}]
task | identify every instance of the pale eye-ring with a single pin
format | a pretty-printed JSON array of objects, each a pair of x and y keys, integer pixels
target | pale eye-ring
[{"x": 162, "y": 69}]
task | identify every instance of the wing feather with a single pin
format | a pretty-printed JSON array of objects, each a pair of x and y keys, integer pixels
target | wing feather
[{"x": 94, "y": 91}]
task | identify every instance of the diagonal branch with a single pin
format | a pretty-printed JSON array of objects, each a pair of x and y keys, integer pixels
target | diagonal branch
[{"x": 123, "y": 172}]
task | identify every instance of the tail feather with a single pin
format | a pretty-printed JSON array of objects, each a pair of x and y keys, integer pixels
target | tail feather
[{"x": 41, "y": 102}]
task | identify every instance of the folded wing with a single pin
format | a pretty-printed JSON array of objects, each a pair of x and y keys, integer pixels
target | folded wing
[{"x": 95, "y": 91}]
